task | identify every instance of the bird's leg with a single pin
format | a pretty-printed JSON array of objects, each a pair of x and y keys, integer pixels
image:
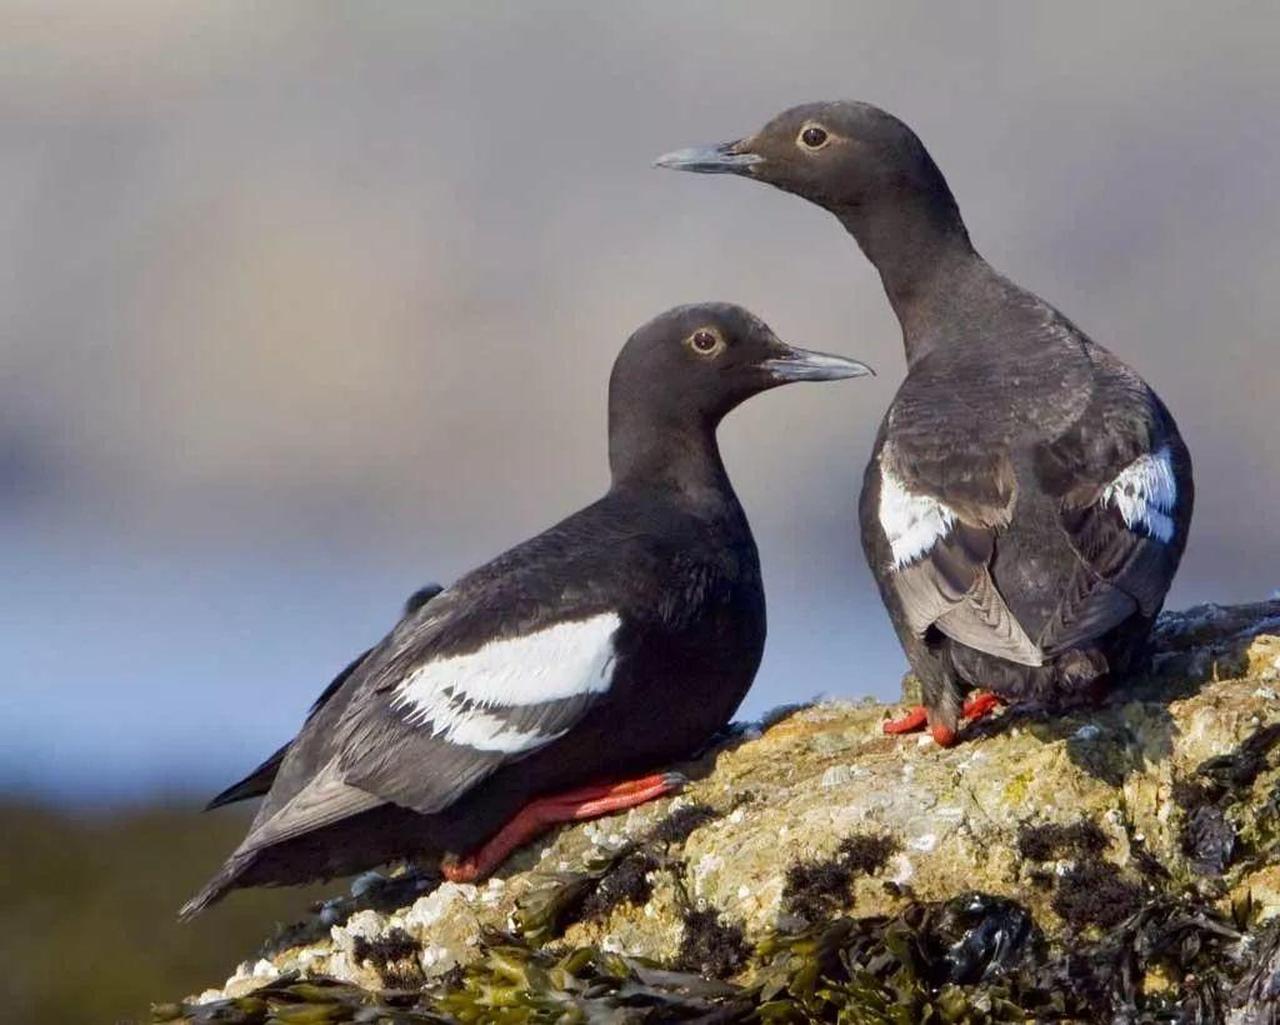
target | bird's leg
[
  {"x": 942, "y": 711},
  {"x": 571, "y": 806}
]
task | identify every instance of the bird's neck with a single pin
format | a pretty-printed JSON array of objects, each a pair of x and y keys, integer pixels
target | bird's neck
[
  {"x": 919, "y": 244},
  {"x": 648, "y": 451}
]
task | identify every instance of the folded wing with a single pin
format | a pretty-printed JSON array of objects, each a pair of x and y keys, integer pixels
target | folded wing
[
  {"x": 436, "y": 712},
  {"x": 1128, "y": 531},
  {"x": 942, "y": 527}
]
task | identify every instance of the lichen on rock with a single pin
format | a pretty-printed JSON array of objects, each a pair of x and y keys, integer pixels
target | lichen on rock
[{"x": 1110, "y": 862}]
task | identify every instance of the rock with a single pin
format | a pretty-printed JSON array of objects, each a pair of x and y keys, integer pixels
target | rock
[{"x": 1132, "y": 848}]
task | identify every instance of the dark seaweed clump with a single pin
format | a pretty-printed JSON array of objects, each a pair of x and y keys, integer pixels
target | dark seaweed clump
[
  {"x": 626, "y": 882},
  {"x": 1208, "y": 837},
  {"x": 1052, "y": 840},
  {"x": 813, "y": 891},
  {"x": 681, "y": 823},
  {"x": 394, "y": 955},
  {"x": 618, "y": 878},
  {"x": 976, "y": 937},
  {"x": 1092, "y": 891},
  {"x": 1241, "y": 767},
  {"x": 973, "y": 960},
  {"x": 980, "y": 959},
  {"x": 1095, "y": 893},
  {"x": 943, "y": 962},
  {"x": 1259, "y": 987},
  {"x": 711, "y": 947}
]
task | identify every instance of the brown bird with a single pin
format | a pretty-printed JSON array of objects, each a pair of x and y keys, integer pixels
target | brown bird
[{"x": 1029, "y": 496}]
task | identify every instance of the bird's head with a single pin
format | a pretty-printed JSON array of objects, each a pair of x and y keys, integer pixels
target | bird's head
[
  {"x": 841, "y": 155},
  {"x": 695, "y": 363}
]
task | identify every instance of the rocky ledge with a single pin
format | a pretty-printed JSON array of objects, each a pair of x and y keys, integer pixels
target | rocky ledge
[{"x": 1115, "y": 865}]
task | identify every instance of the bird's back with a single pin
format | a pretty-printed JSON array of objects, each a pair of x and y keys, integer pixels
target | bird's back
[{"x": 1010, "y": 385}]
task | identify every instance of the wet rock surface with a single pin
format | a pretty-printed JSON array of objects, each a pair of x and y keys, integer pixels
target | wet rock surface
[{"x": 1120, "y": 864}]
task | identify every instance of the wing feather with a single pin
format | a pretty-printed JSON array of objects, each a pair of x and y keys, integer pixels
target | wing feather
[
  {"x": 942, "y": 554},
  {"x": 984, "y": 621},
  {"x": 429, "y": 722},
  {"x": 1125, "y": 509},
  {"x": 327, "y": 798}
]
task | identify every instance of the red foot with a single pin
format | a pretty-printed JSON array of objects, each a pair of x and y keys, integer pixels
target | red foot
[
  {"x": 540, "y": 815},
  {"x": 980, "y": 704},
  {"x": 915, "y": 719},
  {"x": 943, "y": 736}
]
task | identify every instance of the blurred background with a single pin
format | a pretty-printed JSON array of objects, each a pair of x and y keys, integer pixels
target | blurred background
[{"x": 305, "y": 304}]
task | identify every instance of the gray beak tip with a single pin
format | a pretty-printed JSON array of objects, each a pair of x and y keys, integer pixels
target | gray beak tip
[
  {"x": 708, "y": 160},
  {"x": 803, "y": 365}
]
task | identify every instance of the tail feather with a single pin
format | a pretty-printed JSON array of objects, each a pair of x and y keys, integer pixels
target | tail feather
[
  {"x": 261, "y": 779},
  {"x": 257, "y": 783},
  {"x": 217, "y": 887}
]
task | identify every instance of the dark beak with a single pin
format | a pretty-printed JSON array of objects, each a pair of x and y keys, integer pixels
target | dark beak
[
  {"x": 803, "y": 365},
  {"x": 727, "y": 158}
]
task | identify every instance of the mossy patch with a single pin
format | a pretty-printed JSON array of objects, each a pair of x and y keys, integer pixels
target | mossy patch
[{"x": 1016, "y": 788}]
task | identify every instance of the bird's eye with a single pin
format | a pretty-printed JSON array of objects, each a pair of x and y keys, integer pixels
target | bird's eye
[
  {"x": 705, "y": 342},
  {"x": 814, "y": 136}
]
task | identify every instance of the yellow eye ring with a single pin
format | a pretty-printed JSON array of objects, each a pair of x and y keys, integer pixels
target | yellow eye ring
[
  {"x": 705, "y": 342},
  {"x": 813, "y": 137}
]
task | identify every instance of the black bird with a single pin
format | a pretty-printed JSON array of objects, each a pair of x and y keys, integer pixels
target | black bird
[
  {"x": 552, "y": 683},
  {"x": 1028, "y": 497}
]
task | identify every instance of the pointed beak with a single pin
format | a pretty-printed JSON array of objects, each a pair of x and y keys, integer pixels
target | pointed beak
[
  {"x": 803, "y": 365},
  {"x": 727, "y": 158}
]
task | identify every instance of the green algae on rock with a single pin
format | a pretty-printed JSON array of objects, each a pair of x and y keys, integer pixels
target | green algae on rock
[{"x": 1058, "y": 869}]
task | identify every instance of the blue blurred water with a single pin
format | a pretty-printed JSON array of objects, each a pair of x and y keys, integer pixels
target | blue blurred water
[{"x": 132, "y": 669}]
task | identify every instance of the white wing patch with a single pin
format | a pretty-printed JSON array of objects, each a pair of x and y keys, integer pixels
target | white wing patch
[
  {"x": 1146, "y": 492},
  {"x": 562, "y": 661},
  {"x": 913, "y": 523}
]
